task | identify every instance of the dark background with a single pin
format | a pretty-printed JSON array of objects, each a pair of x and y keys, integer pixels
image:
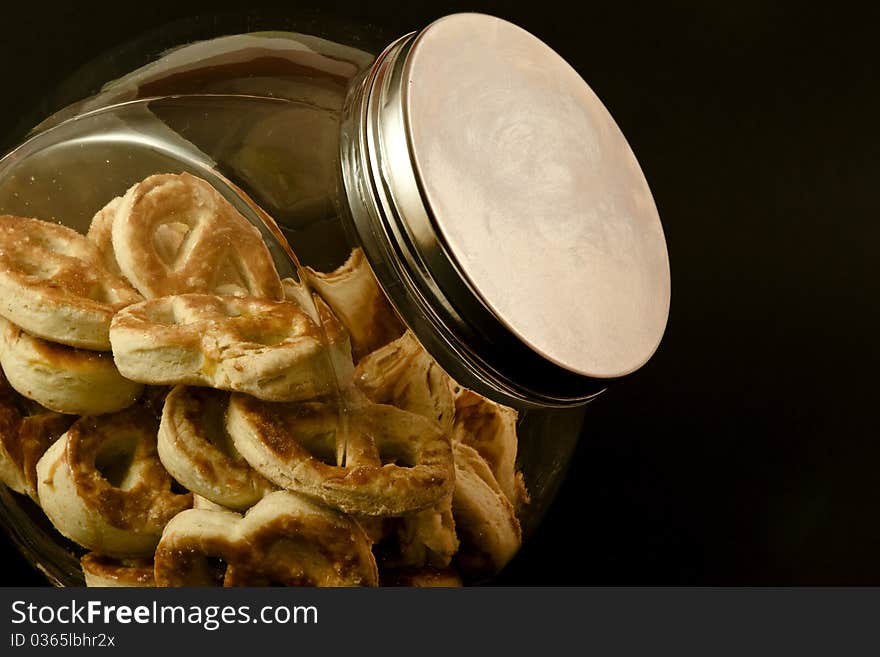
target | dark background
[{"x": 746, "y": 452}]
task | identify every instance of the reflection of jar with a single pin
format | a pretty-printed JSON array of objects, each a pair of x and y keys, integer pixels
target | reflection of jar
[{"x": 497, "y": 204}]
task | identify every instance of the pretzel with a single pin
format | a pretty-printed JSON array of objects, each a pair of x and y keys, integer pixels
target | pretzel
[
  {"x": 283, "y": 539},
  {"x": 103, "y": 571},
  {"x": 485, "y": 520},
  {"x": 101, "y": 234},
  {"x": 175, "y": 234},
  {"x": 354, "y": 295},
  {"x": 54, "y": 285},
  {"x": 298, "y": 447},
  {"x": 269, "y": 349},
  {"x": 198, "y": 452},
  {"x": 490, "y": 428},
  {"x": 26, "y": 432},
  {"x": 102, "y": 484},
  {"x": 64, "y": 379},
  {"x": 403, "y": 374}
]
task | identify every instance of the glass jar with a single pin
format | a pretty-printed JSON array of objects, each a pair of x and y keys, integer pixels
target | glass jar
[{"x": 467, "y": 169}]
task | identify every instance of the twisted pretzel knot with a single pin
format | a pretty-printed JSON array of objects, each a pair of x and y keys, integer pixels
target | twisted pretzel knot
[
  {"x": 377, "y": 460},
  {"x": 283, "y": 539},
  {"x": 63, "y": 379},
  {"x": 54, "y": 285},
  {"x": 270, "y": 349},
  {"x": 175, "y": 233}
]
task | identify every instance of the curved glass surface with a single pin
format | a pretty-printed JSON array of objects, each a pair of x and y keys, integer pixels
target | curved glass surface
[{"x": 269, "y": 144}]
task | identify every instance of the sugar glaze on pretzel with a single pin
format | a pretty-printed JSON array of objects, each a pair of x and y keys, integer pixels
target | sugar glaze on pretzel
[
  {"x": 54, "y": 285},
  {"x": 403, "y": 374},
  {"x": 102, "y": 484},
  {"x": 284, "y": 539},
  {"x": 175, "y": 234},
  {"x": 269, "y": 349}
]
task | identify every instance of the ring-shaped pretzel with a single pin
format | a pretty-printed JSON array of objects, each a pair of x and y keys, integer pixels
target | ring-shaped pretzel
[
  {"x": 404, "y": 375},
  {"x": 101, "y": 234},
  {"x": 102, "y": 484},
  {"x": 394, "y": 462},
  {"x": 61, "y": 378}
]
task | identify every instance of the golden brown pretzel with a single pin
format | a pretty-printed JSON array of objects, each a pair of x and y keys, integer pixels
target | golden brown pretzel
[
  {"x": 354, "y": 295},
  {"x": 54, "y": 285},
  {"x": 270, "y": 349},
  {"x": 61, "y": 378},
  {"x": 297, "y": 447},
  {"x": 283, "y": 539},
  {"x": 198, "y": 452},
  {"x": 490, "y": 428},
  {"x": 174, "y": 234},
  {"x": 101, "y": 234},
  {"x": 26, "y": 432},
  {"x": 102, "y": 484},
  {"x": 403, "y": 374}
]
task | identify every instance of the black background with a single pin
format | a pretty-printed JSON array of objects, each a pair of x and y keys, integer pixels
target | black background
[{"x": 746, "y": 452}]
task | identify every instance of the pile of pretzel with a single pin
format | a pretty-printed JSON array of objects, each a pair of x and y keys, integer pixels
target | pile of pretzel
[{"x": 189, "y": 418}]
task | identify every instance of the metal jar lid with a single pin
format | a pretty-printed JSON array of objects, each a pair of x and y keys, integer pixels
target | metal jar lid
[{"x": 504, "y": 213}]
